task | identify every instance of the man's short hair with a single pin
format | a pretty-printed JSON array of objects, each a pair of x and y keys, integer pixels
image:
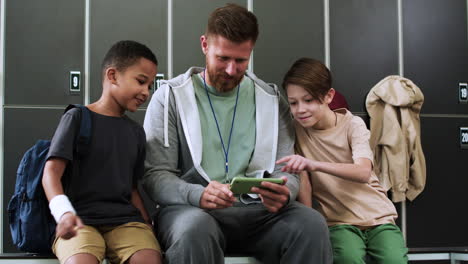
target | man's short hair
[
  {"x": 125, "y": 53},
  {"x": 234, "y": 23}
]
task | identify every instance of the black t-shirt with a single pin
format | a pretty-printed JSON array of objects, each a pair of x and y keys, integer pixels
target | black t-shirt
[{"x": 101, "y": 190}]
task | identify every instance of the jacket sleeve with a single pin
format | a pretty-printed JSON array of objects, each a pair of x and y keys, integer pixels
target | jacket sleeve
[
  {"x": 417, "y": 175},
  {"x": 394, "y": 156},
  {"x": 162, "y": 179},
  {"x": 285, "y": 146}
]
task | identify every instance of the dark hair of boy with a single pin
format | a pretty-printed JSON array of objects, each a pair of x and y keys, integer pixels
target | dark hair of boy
[
  {"x": 234, "y": 23},
  {"x": 125, "y": 53},
  {"x": 310, "y": 74}
]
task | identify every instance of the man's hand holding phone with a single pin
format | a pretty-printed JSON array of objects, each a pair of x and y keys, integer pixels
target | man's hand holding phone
[
  {"x": 217, "y": 196},
  {"x": 272, "y": 191},
  {"x": 274, "y": 196}
]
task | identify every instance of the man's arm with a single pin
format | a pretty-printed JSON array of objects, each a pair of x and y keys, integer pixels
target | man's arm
[
  {"x": 285, "y": 147},
  {"x": 275, "y": 196},
  {"x": 162, "y": 175}
]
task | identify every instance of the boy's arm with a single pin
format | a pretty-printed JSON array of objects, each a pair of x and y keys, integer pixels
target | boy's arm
[
  {"x": 305, "y": 191},
  {"x": 359, "y": 171},
  {"x": 51, "y": 179},
  {"x": 67, "y": 220},
  {"x": 138, "y": 203}
]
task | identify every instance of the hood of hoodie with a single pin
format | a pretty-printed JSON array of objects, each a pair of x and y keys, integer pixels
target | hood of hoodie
[
  {"x": 266, "y": 120},
  {"x": 397, "y": 91}
]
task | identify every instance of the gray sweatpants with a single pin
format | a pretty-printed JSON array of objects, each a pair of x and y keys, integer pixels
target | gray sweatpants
[{"x": 295, "y": 235}]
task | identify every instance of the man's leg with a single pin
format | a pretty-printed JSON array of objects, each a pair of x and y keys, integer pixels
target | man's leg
[
  {"x": 349, "y": 244},
  {"x": 386, "y": 245},
  {"x": 296, "y": 234},
  {"x": 189, "y": 235}
]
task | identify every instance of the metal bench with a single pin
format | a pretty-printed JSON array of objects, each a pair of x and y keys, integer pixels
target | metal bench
[
  {"x": 25, "y": 258},
  {"x": 454, "y": 254}
]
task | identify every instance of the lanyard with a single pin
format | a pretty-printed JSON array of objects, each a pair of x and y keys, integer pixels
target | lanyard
[{"x": 226, "y": 152}]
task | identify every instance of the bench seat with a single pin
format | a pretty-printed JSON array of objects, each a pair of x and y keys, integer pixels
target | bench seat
[
  {"x": 454, "y": 254},
  {"x": 25, "y": 258}
]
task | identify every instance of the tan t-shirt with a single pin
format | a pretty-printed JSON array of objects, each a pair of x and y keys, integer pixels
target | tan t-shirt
[{"x": 344, "y": 201}]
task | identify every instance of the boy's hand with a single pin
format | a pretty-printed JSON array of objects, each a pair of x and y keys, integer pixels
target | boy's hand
[
  {"x": 274, "y": 196},
  {"x": 150, "y": 224},
  {"x": 68, "y": 226},
  {"x": 217, "y": 196},
  {"x": 296, "y": 163}
]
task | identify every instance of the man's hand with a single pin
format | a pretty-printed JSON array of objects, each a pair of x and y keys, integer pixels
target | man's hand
[
  {"x": 296, "y": 163},
  {"x": 68, "y": 226},
  {"x": 217, "y": 196},
  {"x": 274, "y": 196}
]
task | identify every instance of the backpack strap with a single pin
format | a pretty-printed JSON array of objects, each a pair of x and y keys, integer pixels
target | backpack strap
[{"x": 84, "y": 137}]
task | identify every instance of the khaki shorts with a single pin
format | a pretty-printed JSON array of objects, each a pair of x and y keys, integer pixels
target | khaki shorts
[{"x": 117, "y": 243}]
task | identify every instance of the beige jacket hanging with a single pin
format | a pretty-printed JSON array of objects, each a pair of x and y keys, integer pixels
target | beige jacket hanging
[{"x": 393, "y": 106}]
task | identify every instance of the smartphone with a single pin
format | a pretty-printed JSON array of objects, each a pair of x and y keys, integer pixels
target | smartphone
[{"x": 241, "y": 185}]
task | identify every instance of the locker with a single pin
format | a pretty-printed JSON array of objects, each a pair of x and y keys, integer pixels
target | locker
[
  {"x": 22, "y": 128},
  {"x": 363, "y": 46},
  {"x": 436, "y": 54},
  {"x": 145, "y": 22},
  {"x": 287, "y": 33},
  {"x": 189, "y": 23},
  {"x": 44, "y": 41}
]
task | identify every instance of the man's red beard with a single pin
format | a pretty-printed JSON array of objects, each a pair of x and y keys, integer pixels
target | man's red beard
[{"x": 223, "y": 82}]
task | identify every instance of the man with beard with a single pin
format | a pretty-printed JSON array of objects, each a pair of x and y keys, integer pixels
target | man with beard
[{"x": 209, "y": 125}]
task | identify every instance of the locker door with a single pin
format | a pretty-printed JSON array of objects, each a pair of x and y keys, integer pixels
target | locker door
[
  {"x": 436, "y": 58},
  {"x": 145, "y": 22},
  {"x": 22, "y": 128},
  {"x": 363, "y": 46},
  {"x": 289, "y": 30},
  {"x": 44, "y": 41},
  {"x": 436, "y": 51},
  {"x": 189, "y": 23}
]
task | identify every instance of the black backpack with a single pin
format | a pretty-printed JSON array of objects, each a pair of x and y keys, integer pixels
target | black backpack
[{"x": 31, "y": 223}]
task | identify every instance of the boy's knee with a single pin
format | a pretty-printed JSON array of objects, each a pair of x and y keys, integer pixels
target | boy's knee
[
  {"x": 348, "y": 256},
  {"x": 391, "y": 258},
  {"x": 82, "y": 258},
  {"x": 145, "y": 256}
]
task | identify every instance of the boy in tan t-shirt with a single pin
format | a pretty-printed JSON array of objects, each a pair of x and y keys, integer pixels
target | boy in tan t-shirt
[{"x": 336, "y": 166}]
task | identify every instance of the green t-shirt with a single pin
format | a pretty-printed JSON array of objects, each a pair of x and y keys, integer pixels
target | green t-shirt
[{"x": 243, "y": 133}]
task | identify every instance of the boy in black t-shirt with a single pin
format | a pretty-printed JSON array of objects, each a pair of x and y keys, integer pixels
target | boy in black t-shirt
[{"x": 101, "y": 213}]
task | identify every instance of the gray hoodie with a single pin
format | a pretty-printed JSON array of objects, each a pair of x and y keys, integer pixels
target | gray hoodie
[{"x": 173, "y": 174}]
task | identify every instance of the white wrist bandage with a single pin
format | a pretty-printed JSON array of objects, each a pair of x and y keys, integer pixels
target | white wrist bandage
[{"x": 60, "y": 205}]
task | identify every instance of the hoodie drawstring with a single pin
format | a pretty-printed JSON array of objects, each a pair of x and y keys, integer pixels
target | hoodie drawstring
[{"x": 166, "y": 117}]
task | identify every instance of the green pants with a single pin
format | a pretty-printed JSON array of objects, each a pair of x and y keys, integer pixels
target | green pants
[{"x": 382, "y": 244}]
